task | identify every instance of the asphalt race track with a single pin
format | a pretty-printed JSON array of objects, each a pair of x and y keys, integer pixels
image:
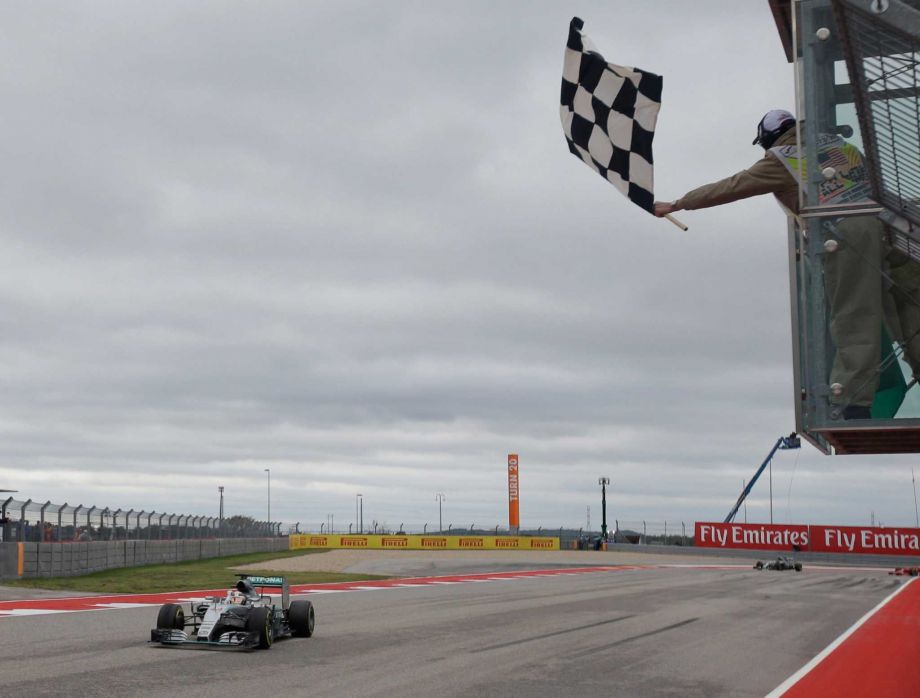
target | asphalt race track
[{"x": 673, "y": 631}]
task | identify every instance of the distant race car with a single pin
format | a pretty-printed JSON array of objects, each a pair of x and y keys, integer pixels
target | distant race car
[
  {"x": 906, "y": 571},
  {"x": 243, "y": 618},
  {"x": 781, "y": 563}
]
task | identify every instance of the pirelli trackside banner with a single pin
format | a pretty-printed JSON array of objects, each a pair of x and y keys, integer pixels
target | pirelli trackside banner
[
  {"x": 817, "y": 539},
  {"x": 309, "y": 540}
]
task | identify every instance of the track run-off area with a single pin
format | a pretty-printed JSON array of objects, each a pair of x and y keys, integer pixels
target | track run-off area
[{"x": 613, "y": 630}]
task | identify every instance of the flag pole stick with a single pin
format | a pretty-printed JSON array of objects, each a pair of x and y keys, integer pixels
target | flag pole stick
[{"x": 676, "y": 222}]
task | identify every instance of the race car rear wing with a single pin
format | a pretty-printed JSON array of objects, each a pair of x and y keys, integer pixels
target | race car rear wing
[{"x": 271, "y": 583}]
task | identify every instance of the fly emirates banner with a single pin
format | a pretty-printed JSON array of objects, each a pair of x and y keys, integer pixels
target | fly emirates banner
[{"x": 818, "y": 539}]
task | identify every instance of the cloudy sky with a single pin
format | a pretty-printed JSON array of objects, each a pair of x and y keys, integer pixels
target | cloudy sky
[{"x": 346, "y": 242}]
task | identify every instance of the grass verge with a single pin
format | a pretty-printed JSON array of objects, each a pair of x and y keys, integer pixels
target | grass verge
[{"x": 213, "y": 573}]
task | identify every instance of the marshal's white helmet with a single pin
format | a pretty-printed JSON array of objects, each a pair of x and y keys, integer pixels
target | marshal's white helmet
[{"x": 773, "y": 124}]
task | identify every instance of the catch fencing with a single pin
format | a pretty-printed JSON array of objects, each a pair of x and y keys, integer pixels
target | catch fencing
[
  {"x": 640, "y": 532},
  {"x": 29, "y": 521}
]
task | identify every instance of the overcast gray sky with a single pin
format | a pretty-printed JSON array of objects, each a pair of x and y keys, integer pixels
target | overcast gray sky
[{"x": 347, "y": 242}]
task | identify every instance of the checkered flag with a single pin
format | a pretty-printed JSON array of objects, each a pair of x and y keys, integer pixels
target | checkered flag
[{"x": 608, "y": 116}]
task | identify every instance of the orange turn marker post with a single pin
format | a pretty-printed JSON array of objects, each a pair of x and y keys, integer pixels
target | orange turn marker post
[{"x": 514, "y": 515}]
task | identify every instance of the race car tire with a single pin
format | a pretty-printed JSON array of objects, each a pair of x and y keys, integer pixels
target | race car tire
[
  {"x": 758, "y": 565},
  {"x": 260, "y": 621},
  {"x": 798, "y": 567},
  {"x": 301, "y": 618},
  {"x": 171, "y": 616}
]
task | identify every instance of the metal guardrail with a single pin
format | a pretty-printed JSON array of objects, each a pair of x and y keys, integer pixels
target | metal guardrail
[{"x": 48, "y": 522}]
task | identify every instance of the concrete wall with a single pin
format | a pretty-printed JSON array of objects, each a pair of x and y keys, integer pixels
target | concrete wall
[
  {"x": 70, "y": 559},
  {"x": 9, "y": 556}
]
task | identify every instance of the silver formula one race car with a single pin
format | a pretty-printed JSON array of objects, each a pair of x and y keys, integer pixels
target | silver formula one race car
[
  {"x": 243, "y": 618},
  {"x": 781, "y": 563}
]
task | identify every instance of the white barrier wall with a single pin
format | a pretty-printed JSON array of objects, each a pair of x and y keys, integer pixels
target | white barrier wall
[{"x": 71, "y": 559}]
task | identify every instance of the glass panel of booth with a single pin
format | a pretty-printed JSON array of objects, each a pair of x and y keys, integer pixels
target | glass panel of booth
[{"x": 856, "y": 299}]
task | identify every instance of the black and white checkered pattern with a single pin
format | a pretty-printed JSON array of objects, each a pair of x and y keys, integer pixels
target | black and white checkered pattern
[{"x": 608, "y": 116}]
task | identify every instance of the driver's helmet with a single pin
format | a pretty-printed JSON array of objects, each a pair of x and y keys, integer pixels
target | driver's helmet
[
  {"x": 236, "y": 597},
  {"x": 244, "y": 586}
]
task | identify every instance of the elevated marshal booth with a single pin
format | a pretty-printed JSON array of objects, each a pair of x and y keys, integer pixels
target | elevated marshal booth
[{"x": 857, "y": 85}]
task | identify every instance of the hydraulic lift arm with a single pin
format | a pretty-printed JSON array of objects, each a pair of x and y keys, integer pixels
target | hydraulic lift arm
[{"x": 782, "y": 443}]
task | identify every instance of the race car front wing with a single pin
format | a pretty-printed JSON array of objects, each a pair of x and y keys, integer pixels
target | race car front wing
[{"x": 179, "y": 638}]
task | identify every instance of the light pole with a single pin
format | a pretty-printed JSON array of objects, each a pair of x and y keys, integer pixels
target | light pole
[
  {"x": 220, "y": 510},
  {"x": 440, "y": 497},
  {"x": 916, "y": 512},
  {"x": 269, "y": 473},
  {"x": 359, "y": 513},
  {"x": 603, "y": 482}
]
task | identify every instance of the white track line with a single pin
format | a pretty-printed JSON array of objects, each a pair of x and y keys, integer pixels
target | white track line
[
  {"x": 124, "y": 605},
  {"x": 797, "y": 676},
  {"x": 834, "y": 568},
  {"x": 690, "y": 566},
  {"x": 34, "y": 612}
]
